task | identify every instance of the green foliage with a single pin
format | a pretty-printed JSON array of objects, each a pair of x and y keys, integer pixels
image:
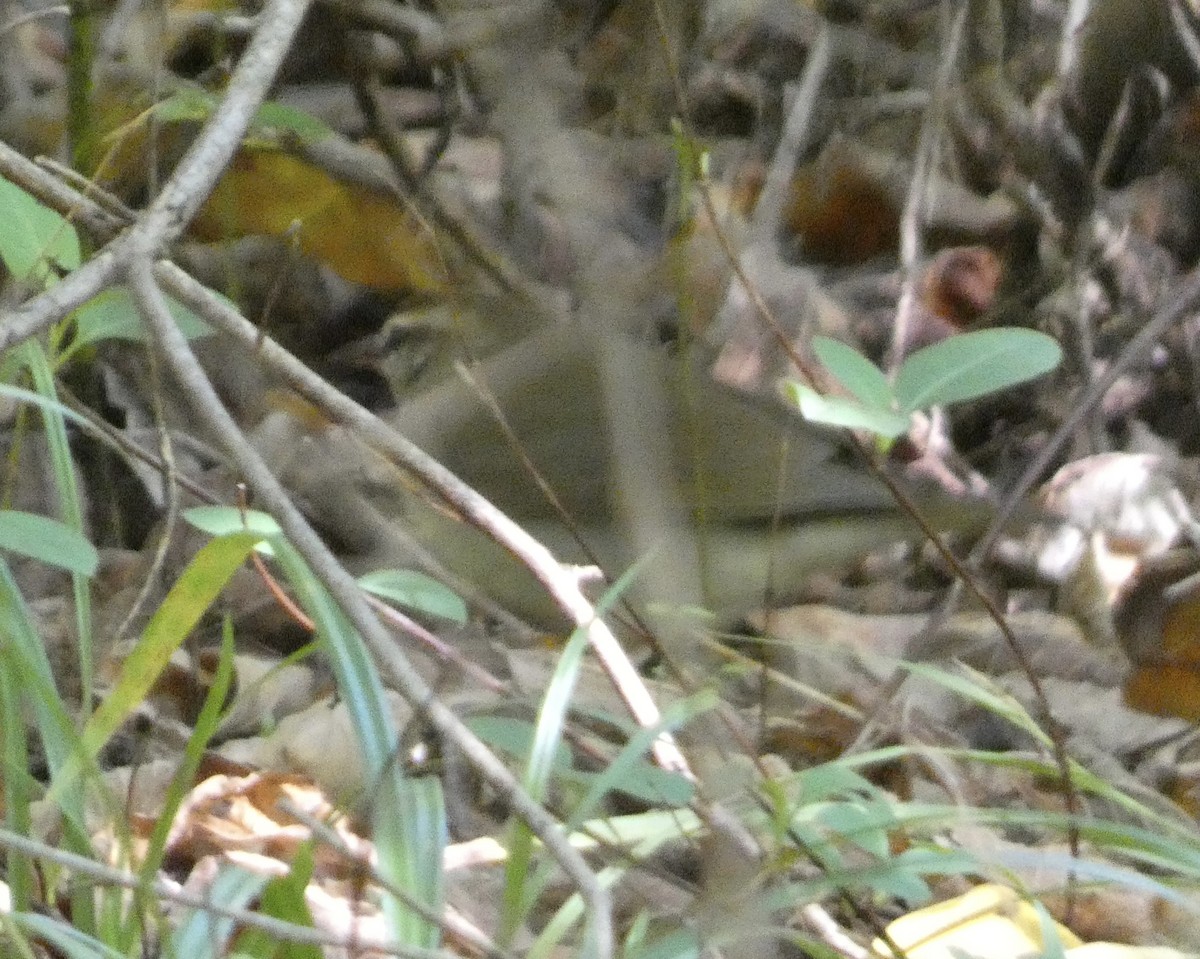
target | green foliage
[
  {"x": 188, "y": 600},
  {"x": 408, "y": 588},
  {"x": 959, "y": 368},
  {"x": 636, "y": 777},
  {"x": 272, "y": 123},
  {"x": 48, "y": 541},
  {"x": 35, "y": 242},
  {"x": 111, "y": 315},
  {"x": 203, "y": 935},
  {"x": 283, "y": 898},
  {"x": 409, "y": 812},
  {"x": 416, "y": 591}
]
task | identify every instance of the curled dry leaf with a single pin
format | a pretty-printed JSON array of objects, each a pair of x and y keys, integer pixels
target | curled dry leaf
[
  {"x": 961, "y": 283},
  {"x": 364, "y": 236},
  {"x": 839, "y": 214},
  {"x": 1130, "y": 497}
]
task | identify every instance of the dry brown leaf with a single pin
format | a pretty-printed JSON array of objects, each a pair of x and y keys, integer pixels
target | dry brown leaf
[
  {"x": 961, "y": 283},
  {"x": 318, "y": 743},
  {"x": 839, "y": 214}
]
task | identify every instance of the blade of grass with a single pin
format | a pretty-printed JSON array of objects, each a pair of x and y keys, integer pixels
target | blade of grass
[
  {"x": 70, "y": 941},
  {"x": 634, "y": 752},
  {"x": 23, "y": 659},
  {"x": 31, "y": 354},
  {"x": 18, "y": 792},
  {"x": 409, "y": 815},
  {"x": 205, "y": 936},
  {"x": 188, "y": 600},
  {"x": 548, "y": 733},
  {"x": 203, "y": 730}
]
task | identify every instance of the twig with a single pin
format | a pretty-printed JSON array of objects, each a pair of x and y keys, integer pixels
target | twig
[
  {"x": 497, "y": 266},
  {"x": 170, "y": 493},
  {"x": 130, "y": 256},
  {"x": 912, "y": 221},
  {"x": 1068, "y": 49},
  {"x": 187, "y": 289},
  {"x": 470, "y": 934},
  {"x": 421, "y": 33},
  {"x": 962, "y": 570},
  {"x": 184, "y": 192},
  {"x": 1181, "y": 302},
  {"x": 824, "y": 925}
]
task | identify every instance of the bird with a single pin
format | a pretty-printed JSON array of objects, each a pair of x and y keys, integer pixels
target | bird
[{"x": 757, "y": 498}]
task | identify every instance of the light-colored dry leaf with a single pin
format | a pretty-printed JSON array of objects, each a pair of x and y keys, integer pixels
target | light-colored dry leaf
[
  {"x": 319, "y": 743},
  {"x": 267, "y": 691},
  {"x": 989, "y": 922}
]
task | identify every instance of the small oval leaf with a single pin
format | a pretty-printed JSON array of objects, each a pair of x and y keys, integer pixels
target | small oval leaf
[
  {"x": 111, "y": 315},
  {"x": 228, "y": 520},
  {"x": 48, "y": 541},
  {"x": 971, "y": 365},
  {"x": 416, "y": 591},
  {"x": 855, "y": 372},
  {"x": 836, "y": 411},
  {"x": 34, "y": 238}
]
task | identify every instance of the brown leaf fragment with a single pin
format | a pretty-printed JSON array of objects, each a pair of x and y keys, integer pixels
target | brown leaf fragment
[
  {"x": 961, "y": 283},
  {"x": 1053, "y": 644},
  {"x": 1166, "y": 689},
  {"x": 839, "y": 215}
]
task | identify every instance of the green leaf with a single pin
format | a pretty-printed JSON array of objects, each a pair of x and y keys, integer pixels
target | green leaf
[
  {"x": 971, "y": 365},
  {"x": 837, "y": 411},
  {"x": 186, "y": 104},
  {"x": 673, "y": 944},
  {"x": 23, "y": 657},
  {"x": 513, "y": 736},
  {"x": 111, "y": 315},
  {"x": 33, "y": 237},
  {"x": 409, "y": 813},
  {"x": 274, "y": 119},
  {"x": 416, "y": 591},
  {"x": 194, "y": 592},
  {"x": 852, "y": 822},
  {"x": 856, "y": 373},
  {"x": 283, "y": 899},
  {"x": 48, "y": 541},
  {"x": 270, "y": 123},
  {"x": 225, "y": 520},
  {"x": 68, "y": 940},
  {"x": 641, "y": 780},
  {"x": 203, "y": 730},
  {"x": 205, "y": 935}
]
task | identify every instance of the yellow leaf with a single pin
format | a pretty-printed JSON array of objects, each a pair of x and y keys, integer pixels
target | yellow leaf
[
  {"x": 366, "y": 237},
  {"x": 989, "y": 922}
]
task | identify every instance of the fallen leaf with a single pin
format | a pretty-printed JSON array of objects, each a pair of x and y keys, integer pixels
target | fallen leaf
[
  {"x": 363, "y": 236},
  {"x": 989, "y": 922}
]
